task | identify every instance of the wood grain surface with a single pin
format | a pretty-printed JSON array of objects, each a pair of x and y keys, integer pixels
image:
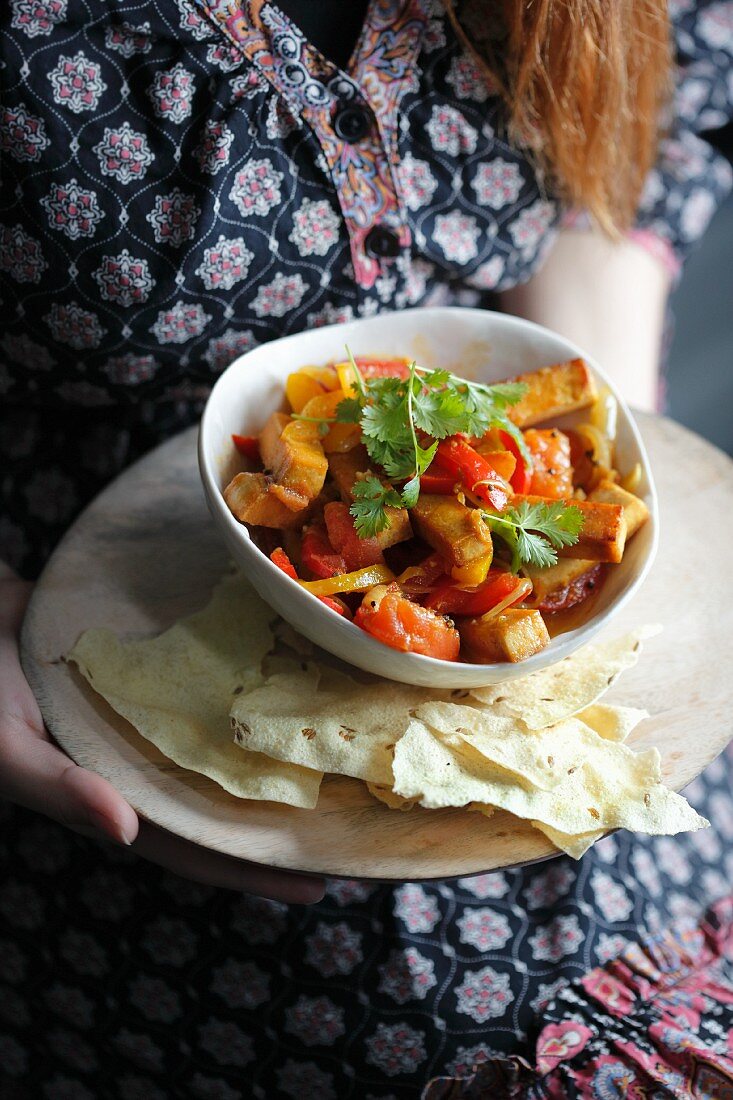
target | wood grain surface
[{"x": 145, "y": 552}]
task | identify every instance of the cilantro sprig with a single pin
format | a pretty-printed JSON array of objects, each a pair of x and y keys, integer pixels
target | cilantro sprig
[
  {"x": 535, "y": 532},
  {"x": 402, "y": 421},
  {"x": 371, "y": 499}
]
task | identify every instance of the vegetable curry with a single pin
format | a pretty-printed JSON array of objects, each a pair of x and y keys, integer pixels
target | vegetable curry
[{"x": 442, "y": 516}]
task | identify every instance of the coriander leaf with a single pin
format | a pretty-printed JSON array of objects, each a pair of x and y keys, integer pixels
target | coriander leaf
[
  {"x": 424, "y": 456},
  {"x": 397, "y": 461},
  {"x": 558, "y": 522},
  {"x": 348, "y": 411},
  {"x": 434, "y": 378},
  {"x": 567, "y": 527},
  {"x": 508, "y": 534},
  {"x": 371, "y": 499},
  {"x": 440, "y": 413},
  {"x": 387, "y": 422},
  {"x": 411, "y": 492},
  {"x": 534, "y": 549},
  {"x": 536, "y": 531},
  {"x": 506, "y": 393}
]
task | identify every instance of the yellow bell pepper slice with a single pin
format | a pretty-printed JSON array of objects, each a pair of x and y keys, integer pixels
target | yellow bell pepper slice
[
  {"x": 323, "y": 405},
  {"x": 340, "y": 437},
  {"x": 347, "y": 378},
  {"x": 300, "y": 389},
  {"x": 359, "y": 581},
  {"x": 326, "y": 376},
  {"x": 473, "y": 574}
]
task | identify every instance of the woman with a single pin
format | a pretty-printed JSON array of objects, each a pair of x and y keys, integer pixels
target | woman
[{"x": 182, "y": 180}]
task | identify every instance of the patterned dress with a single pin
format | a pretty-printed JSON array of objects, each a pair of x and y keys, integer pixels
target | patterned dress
[{"x": 182, "y": 180}]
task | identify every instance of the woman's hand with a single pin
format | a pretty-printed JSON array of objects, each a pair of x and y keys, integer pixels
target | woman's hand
[{"x": 38, "y": 775}]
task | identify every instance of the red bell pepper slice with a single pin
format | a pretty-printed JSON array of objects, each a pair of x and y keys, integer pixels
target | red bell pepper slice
[
  {"x": 436, "y": 480},
  {"x": 319, "y": 555},
  {"x": 383, "y": 368},
  {"x": 448, "y": 599},
  {"x": 282, "y": 561},
  {"x": 476, "y": 475},
  {"x": 420, "y": 578},
  {"x": 522, "y": 476},
  {"x": 336, "y": 605},
  {"x": 247, "y": 445}
]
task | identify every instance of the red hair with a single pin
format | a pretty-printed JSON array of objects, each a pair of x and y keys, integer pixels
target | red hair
[{"x": 585, "y": 83}]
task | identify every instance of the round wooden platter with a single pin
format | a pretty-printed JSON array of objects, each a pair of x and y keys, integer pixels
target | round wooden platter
[{"x": 145, "y": 553}]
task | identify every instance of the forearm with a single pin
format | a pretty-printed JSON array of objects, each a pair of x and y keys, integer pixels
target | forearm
[{"x": 610, "y": 299}]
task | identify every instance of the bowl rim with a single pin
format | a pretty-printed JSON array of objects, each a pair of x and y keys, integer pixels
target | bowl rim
[{"x": 576, "y": 638}]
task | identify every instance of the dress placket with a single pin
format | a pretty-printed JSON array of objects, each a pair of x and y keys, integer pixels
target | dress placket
[{"x": 353, "y": 113}]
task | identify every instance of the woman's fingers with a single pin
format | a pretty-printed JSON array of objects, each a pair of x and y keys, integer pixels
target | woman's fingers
[
  {"x": 194, "y": 862},
  {"x": 36, "y": 774}
]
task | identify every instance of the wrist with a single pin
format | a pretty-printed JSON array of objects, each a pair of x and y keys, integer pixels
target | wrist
[{"x": 14, "y": 596}]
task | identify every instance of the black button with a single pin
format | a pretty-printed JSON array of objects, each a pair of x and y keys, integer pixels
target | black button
[
  {"x": 381, "y": 243},
  {"x": 351, "y": 123}
]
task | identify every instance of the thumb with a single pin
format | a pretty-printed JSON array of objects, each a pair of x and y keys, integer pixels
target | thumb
[{"x": 43, "y": 778}]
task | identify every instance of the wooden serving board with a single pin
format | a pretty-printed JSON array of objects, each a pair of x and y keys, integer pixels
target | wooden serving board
[{"x": 145, "y": 553}]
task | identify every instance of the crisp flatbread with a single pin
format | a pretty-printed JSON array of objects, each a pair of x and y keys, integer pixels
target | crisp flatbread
[
  {"x": 617, "y": 788},
  {"x": 177, "y": 689},
  {"x": 331, "y": 723},
  {"x": 560, "y": 691}
]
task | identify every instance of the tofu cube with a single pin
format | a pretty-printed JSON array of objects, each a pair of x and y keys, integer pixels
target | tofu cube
[
  {"x": 513, "y": 635},
  {"x": 291, "y": 451},
  {"x": 251, "y": 499},
  {"x": 554, "y": 391},
  {"x": 635, "y": 510},
  {"x": 458, "y": 533}
]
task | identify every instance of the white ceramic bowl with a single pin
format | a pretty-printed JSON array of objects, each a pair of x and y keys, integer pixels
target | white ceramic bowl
[{"x": 475, "y": 343}]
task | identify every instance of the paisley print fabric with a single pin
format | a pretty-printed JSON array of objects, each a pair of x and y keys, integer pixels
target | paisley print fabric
[
  {"x": 657, "y": 1021},
  {"x": 119, "y": 981},
  {"x": 173, "y": 192}
]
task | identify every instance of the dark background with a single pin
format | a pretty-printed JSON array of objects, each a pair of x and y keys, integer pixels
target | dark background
[{"x": 700, "y": 360}]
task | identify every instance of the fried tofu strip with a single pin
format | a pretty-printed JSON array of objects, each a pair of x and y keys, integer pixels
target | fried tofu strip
[
  {"x": 349, "y": 467},
  {"x": 252, "y": 499},
  {"x": 603, "y": 535},
  {"x": 292, "y": 452},
  {"x": 513, "y": 635},
  {"x": 554, "y": 391},
  {"x": 458, "y": 533},
  {"x": 635, "y": 510}
]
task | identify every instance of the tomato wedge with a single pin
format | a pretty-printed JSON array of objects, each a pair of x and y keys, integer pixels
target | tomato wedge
[
  {"x": 448, "y": 599},
  {"x": 521, "y": 479},
  {"x": 458, "y": 457},
  {"x": 356, "y": 552},
  {"x": 247, "y": 445},
  {"x": 398, "y": 622},
  {"x": 552, "y": 473}
]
